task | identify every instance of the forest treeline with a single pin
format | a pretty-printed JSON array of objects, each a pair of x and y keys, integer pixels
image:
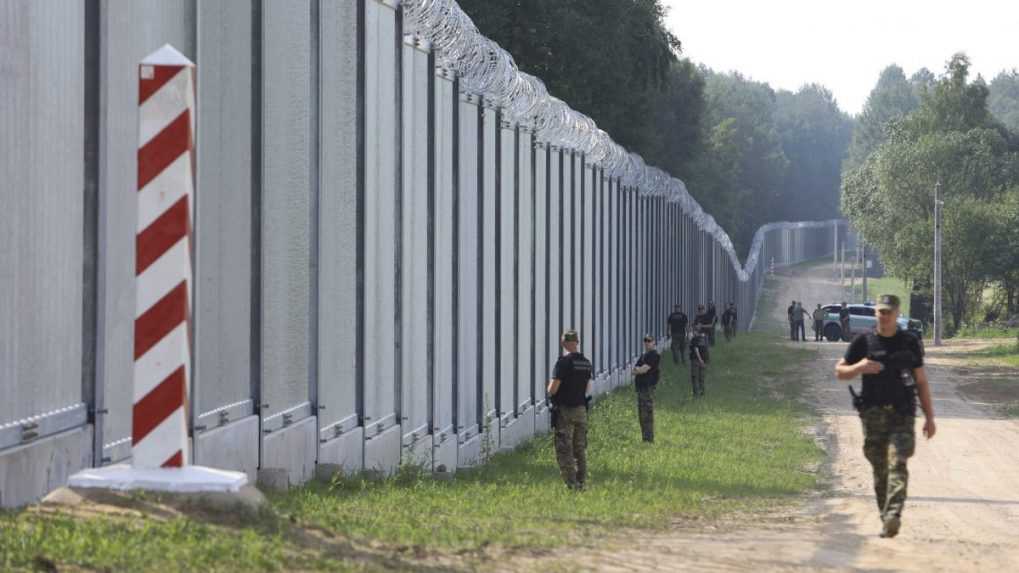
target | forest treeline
[
  {"x": 734, "y": 141},
  {"x": 752, "y": 154}
]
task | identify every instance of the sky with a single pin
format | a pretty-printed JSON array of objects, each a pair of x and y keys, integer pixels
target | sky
[{"x": 844, "y": 45}]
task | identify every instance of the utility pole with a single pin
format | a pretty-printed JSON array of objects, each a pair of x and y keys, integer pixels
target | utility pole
[
  {"x": 835, "y": 252},
  {"x": 842, "y": 267},
  {"x": 938, "y": 319},
  {"x": 863, "y": 246}
]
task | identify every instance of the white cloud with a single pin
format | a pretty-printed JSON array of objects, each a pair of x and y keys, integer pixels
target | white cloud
[{"x": 844, "y": 45}]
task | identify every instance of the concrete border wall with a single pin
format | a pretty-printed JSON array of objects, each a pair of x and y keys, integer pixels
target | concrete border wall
[{"x": 384, "y": 260}]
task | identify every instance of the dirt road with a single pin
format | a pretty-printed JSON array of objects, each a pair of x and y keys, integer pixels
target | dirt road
[{"x": 963, "y": 507}]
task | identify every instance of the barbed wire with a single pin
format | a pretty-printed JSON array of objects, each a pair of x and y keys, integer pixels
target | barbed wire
[{"x": 486, "y": 70}]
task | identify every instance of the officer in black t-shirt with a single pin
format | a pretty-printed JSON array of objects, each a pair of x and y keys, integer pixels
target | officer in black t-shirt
[
  {"x": 645, "y": 378},
  {"x": 677, "y": 322},
  {"x": 568, "y": 389},
  {"x": 891, "y": 363}
]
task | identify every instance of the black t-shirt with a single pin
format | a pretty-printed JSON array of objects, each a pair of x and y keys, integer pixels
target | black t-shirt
[
  {"x": 677, "y": 323},
  {"x": 843, "y": 313},
  {"x": 900, "y": 354},
  {"x": 729, "y": 316},
  {"x": 649, "y": 378},
  {"x": 573, "y": 372},
  {"x": 789, "y": 311},
  {"x": 702, "y": 319}
]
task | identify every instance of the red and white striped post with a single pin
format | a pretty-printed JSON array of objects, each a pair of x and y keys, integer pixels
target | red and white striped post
[{"x": 163, "y": 270}]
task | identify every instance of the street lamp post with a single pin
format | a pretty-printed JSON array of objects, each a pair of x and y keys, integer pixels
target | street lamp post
[{"x": 937, "y": 264}]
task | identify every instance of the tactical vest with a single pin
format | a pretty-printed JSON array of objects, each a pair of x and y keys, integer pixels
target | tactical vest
[{"x": 904, "y": 391}]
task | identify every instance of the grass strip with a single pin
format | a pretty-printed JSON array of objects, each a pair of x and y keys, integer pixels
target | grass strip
[{"x": 741, "y": 448}]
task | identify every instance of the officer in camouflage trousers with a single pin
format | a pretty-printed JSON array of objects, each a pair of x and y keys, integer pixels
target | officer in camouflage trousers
[
  {"x": 891, "y": 363},
  {"x": 645, "y": 378},
  {"x": 569, "y": 390},
  {"x": 699, "y": 356}
]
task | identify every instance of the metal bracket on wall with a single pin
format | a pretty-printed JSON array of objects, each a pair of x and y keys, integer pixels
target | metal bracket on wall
[
  {"x": 25, "y": 430},
  {"x": 223, "y": 415},
  {"x": 286, "y": 418},
  {"x": 414, "y": 436},
  {"x": 337, "y": 429},
  {"x": 465, "y": 434},
  {"x": 439, "y": 436},
  {"x": 381, "y": 425}
]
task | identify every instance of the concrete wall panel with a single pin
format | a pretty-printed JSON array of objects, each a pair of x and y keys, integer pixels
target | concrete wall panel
[
  {"x": 415, "y": 267},
  {"x": 223, "y": 229},
  {"x": 42, "y": 218},
  {"x": 337, "y": 222},
  {"x": 286, "y": 210},
  {"x": 446, "y": 302}
]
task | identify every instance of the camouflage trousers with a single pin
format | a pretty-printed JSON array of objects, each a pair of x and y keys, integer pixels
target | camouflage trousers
[
  {"x": 571, "y": 445},
  {"x": 646, "y": 413},
  {"x": 678, "y": 348},
  {"x": 889, "y": 440},
  {"x": 697, "y": 378}
]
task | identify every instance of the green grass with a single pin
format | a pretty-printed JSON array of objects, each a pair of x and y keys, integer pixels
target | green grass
[
  {"x": 883, "y": 285},
  {"x": 733, "y": 450},
  {"x": 1004, "y": 354},
  {"x": 740, "y": 449},
  {"x": 986, "y": 331}
]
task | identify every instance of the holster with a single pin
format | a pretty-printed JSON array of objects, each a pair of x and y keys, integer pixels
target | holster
[
  {"x": 857, "y": 400},
  {"x": 553, "y": 411}
]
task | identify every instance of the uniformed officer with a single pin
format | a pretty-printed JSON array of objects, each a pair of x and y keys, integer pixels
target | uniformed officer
[
  {"x": 729, "y": 321},
  {"x": 677, "y": 322},
  {"x": 698, "y": 359},
  {"x": 891, "y": 363},
  {"x": 712, "y": 322},
  {"x": 568, "y": 390},
  {"x": 645, "y": 379}
]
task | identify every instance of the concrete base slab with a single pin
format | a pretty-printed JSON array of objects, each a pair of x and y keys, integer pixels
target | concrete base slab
[
  {"x": 444, "y": 456},
  {"x": 188, "y": 479},
  {"x": 346, "y": 451},
  {"x": 526, "y": 421},
  {"x": 418, "y": 452},
  {"x": 293, "y": 449},
  {"x": 29, "y": 472},
  {"x": 510, "y": 435},
  {"x": 247, "y": 499},
  {"x": 230, "y": 447},
  {"x": 469, "y": 452},
  {"x": 382, "y": 452},
  {"x": 541, "y": 422}
]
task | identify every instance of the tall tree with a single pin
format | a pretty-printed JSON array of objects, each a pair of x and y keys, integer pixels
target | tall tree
[
  {"x": 1003, "y": 100},
  {"x": 892, "y": 98},
  {"x": 815, "y": 135},
  {"x": 743, "y": 162},
  {"x": 605, "y": 58},
  {"x": 950, "y": 139}
]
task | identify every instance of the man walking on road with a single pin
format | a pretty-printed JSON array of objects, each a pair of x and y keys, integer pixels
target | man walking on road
[
  {"x": 818, "y": 324},
  {"x": 891, "y": 363},
  {"x": 569, "y": 388},
  {"x": 677, "y": 322},
  {"x": 645, "y": 378}
]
